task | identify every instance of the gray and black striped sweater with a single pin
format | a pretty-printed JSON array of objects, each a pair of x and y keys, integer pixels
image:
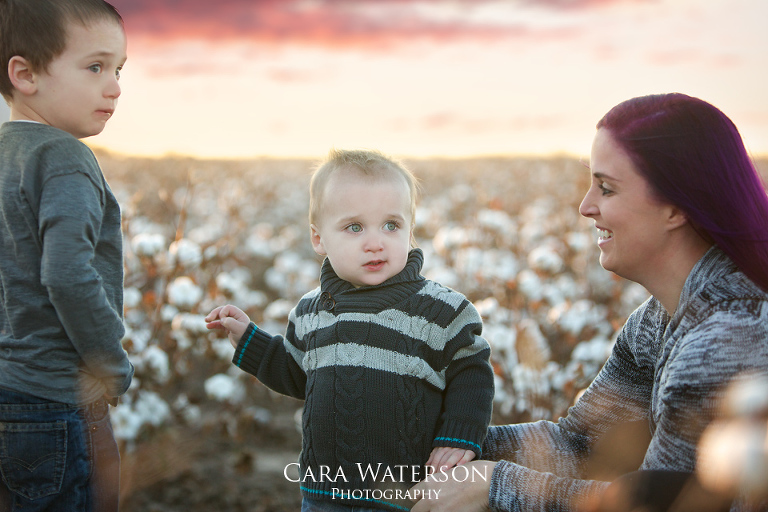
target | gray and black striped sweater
[
  {"x": 387, "y": 373},
  {"x": 668, "y": 371}
]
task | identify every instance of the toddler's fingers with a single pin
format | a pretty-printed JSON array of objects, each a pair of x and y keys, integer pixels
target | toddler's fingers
[
  {"x": 468, "y": 456},
  {"x": 213, "y": 314},
  {"x": 216, "y": 324}
]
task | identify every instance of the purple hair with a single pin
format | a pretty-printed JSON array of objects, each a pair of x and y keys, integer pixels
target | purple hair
[{"x": 693, "y": 157}]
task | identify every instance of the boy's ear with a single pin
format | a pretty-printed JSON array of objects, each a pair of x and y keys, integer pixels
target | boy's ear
[
  {"x": 22, "y": 76},
  {"x": 317, "y": 241}
]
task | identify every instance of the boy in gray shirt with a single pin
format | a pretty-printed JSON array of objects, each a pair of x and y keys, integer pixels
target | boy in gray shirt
[{"x": 61, "y": 267}]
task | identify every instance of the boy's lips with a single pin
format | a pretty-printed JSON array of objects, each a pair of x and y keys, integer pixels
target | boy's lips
[{"x": 374, "y": 265}]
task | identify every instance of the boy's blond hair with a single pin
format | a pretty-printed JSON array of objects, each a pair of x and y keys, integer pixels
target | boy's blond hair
[
  {"x": 368, "y": 162},
  {"x": 37, "y": 30}
]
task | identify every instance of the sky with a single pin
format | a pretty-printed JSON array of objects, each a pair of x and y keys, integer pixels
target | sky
[{"x": 447, "y": 78}]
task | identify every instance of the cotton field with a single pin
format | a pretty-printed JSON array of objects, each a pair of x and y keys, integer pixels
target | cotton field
[{"x": 505, "y": 232}]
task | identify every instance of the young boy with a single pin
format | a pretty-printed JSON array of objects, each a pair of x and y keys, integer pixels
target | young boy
[
  {"x": 392, "y": 367},
  {"x": 61, "y": 268}
]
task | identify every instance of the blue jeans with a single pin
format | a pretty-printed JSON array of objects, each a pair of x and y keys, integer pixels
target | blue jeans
[{"x": 56, "y": 457}]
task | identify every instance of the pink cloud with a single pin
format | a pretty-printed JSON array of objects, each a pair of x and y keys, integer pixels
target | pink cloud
[{"x": 367, "y": 23}]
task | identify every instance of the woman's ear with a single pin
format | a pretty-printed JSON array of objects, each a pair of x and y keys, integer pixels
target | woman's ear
[
  {"x": 22, "y": 76},
  {"x": 316, "y": 239},
  {"x": 676, "y": 217}
]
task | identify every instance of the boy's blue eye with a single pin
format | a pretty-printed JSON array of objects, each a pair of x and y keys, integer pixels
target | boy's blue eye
[
  {"x": 391, "y": 226},
  {"x": 354, "y": 228},
  {"x": 96, "y": 68},
  {"x": 117, "y": 72}
]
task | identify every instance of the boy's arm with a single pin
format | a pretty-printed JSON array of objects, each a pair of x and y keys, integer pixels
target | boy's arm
[
  {"x": 468, "y": 395},
  {"x": 274, "y": 360},
  {"x": 70, "y": 222}
]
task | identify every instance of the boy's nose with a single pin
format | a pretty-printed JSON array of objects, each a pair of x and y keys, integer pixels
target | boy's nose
[
  {"x": 113, "y": 89},
  {"x": 373, "y": 243}
]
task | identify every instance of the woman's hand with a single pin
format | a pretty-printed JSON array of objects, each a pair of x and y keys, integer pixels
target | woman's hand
[{"x": 465, "y": 490}]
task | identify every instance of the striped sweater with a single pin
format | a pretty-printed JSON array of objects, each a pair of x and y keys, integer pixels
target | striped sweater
[
  {"x": 387, "y": 373},
  {"x": 667, "y": 370}
]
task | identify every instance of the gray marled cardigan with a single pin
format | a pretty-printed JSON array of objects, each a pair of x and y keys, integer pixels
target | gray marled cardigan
[{"x": 670, "y": 371}]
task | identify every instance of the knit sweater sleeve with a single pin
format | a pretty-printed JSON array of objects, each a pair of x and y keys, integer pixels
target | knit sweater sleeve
[
  {"x": 274, "y": 360},
  {"x": 542, "y": 464},
  {"x": 468, "y": 396}
]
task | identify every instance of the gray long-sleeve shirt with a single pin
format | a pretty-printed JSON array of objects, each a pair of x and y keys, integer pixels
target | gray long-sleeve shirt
[
  {"x": 669, "y": 371},
  {"x": 61, "y": 269}
]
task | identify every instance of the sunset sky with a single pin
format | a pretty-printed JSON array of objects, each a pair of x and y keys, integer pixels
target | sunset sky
[{"x": 243, "y": 78}]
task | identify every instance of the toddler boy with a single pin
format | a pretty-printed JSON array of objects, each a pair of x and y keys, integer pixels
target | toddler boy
[
  {"x": 61, "y": 266},
  {"x": 392, "y": 367}
]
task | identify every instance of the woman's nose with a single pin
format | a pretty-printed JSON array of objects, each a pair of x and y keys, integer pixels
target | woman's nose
[{"x": 588, "y": 208}]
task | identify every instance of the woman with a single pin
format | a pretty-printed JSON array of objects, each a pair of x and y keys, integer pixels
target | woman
[{"x": 680, "y": 209}]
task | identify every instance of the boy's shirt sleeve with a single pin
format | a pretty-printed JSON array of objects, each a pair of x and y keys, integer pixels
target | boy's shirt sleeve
[
  {"x": 70, "y": 222},
  {"x": 274, "y": 360},
  {"x": 469, "y": 391}
]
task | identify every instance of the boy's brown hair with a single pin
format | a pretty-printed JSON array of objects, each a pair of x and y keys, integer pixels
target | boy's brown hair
[
  {"x": 37, "y": 30},
  {"x": 368, "y": 162}
]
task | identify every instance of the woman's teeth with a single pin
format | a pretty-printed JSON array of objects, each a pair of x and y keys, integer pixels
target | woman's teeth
[{"x": 604, "y": 234}]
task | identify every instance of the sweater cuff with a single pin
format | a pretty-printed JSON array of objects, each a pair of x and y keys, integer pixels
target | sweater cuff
[
  {"x": 250, "y": 349},
  {"x": 455, "y": 434},
  {"x": 500, "y": 494}
]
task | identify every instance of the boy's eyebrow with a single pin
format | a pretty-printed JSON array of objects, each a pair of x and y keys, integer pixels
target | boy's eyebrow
[
  {"x": 350, "y": 218},
  {"x": 101, "y": 53}
]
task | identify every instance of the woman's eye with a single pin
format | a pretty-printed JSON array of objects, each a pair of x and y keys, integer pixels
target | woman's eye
[
  {"x": 354, "y": 228},
  {"x": 391, "y": 226},
  {"x": 604, "y": 189}
]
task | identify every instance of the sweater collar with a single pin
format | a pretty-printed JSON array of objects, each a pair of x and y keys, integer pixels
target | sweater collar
[
  {"x": 711, "y": 267},
  {"x": 332, "y": 283}
]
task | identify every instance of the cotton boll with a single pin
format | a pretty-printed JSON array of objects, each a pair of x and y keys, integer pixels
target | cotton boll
[
  {"x": 157, "y": 361},
  {"x": 530, "y": 285},
  {"x": 278, "y": 310},
  {"x": 578, "y": 241},
  {"x": 224, "y": 388},
  {"x": 223, "y": 349},
  {"x": 131, "y": 298},
  {"x": 126, "y": 424},
  {"x": 443, "y": 275},
  {"x": 189, "y": 411},
  {"x": 594, "y": 351},
  {"x": 168, "y": 312},
  {"x": 496, "y": 220},
  {"x": 146, "y": 409},
  {"x": 148, "y": 244},
  {"x": 575, "y": 317},
  {"x": 185, "y": 253},
  {"x": 151, "y": 408},
  {"x": 184, "y": 293},
  {"x": 192, "y": 324},
  {"x": 139, "y": 338},
  {"x": 546, "y": 259}
]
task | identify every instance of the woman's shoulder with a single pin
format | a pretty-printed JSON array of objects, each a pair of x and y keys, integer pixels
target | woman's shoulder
[{"x": 732, "y": 298}]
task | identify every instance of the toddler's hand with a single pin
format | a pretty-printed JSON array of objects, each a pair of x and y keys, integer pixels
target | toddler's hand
[
  {"x": 229, "y": 319},
  {"x": 445, "y": 458}
]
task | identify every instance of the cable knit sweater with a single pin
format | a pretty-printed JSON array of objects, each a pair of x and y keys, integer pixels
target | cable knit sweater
[
  {"x": 387, "y": 373},
  {"x": 668, "y": 371}
]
